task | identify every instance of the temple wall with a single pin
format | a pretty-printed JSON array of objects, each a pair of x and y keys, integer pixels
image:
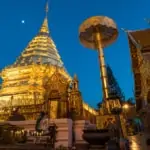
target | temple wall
[
  {"x": 89, "y": 116},
  {"x": 64, "y": 130}
]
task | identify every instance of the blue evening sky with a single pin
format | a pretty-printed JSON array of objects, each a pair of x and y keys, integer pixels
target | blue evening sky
[{"x": 65, "y": 17}]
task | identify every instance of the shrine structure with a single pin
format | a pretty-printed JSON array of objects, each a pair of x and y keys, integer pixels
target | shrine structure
[
  {"x": 38, "y": 81},
  {"x": 140, "y": 56}
]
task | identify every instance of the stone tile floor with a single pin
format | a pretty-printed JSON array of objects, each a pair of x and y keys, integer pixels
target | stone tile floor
[{"x": 138, "y": 142}]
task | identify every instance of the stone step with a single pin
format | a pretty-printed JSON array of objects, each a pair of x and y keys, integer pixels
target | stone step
[{"x": 24, "y": 147}]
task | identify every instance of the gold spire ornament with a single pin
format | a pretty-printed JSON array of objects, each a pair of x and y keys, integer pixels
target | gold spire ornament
[
  {"x": 28, "y": 70},
  {"x": 38, "y": 80},
  {"x": 47, "y": 8},
  {"x": 44, "y": 28}
]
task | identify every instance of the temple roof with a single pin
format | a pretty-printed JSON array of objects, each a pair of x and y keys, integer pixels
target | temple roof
[
  {"x": 139, "y": 42},
  {"x": 40, "y": 50},
  {"x": 143, "y": 38}
]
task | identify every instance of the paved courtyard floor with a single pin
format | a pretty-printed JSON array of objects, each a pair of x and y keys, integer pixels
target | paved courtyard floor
[{"x": 138, "y": 142}]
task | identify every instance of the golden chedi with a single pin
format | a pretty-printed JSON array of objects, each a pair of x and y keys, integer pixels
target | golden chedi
[{"x": 38, "y": 81}]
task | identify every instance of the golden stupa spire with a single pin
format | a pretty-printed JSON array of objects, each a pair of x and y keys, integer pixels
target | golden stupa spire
[
  {"x": 44, "y": 27},
  {"x": 41, "y": 47},
  {"x": 47, "y": 8}
]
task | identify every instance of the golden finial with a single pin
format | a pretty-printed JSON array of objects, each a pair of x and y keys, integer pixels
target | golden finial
[
  {"x": 44, "y": 27},
  {"x": 47, "y": 8},
  {"x": 75, "y": 77}
]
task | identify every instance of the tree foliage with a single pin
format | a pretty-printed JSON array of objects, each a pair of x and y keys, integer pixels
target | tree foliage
[
  {"x": 130, "y": 101},
  {"x": 99, "y": 105},
  {"x": 114, "y": 88}
]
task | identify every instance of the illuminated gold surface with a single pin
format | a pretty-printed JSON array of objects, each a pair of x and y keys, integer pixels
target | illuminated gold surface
[
  {"x": 102, "y": 65},
  {"x": 141, "y": 71},
  {"x": 140, "y": 66},
  {"x": 38, "y": 81},
  {"x": 137, "y": 142},
  {"x": 105, "y": 25},
  {"x": 89, "y": 109},
  {"x": 95, "y": 33},
  {"x": 54, "y": 110}
]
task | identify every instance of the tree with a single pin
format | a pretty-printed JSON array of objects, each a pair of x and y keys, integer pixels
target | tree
[
  {"x": 99, "y": 105},
  {"x": 114, "y": 88},
  {"x": 130, "y": 101}
]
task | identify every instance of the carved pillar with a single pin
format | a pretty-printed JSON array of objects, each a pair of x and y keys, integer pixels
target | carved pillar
[
  {"x": 76, "y": 104},
  {"x": 53, "y": 104},
  {"x": 63, "y": 106},
  {"x": 75, "y": 99}
]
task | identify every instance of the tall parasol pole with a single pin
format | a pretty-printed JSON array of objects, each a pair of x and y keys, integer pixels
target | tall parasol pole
[
  {"x": 96, "y": 33},
  {"x": 101, "y": 63}
]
